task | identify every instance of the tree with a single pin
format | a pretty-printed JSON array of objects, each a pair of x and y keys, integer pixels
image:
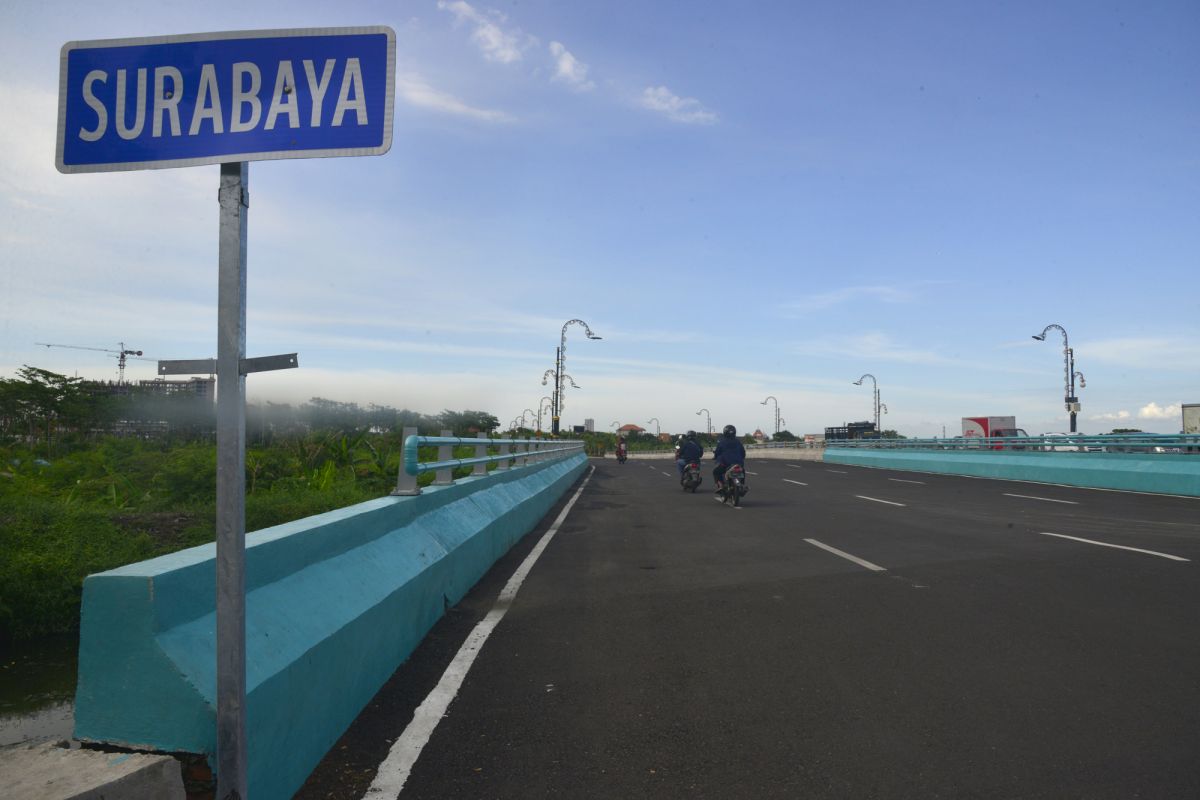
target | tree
[
  {"x": 891, "y": 435},
  {"x": 1127, "y": 430},
  {"x": 785, "y": 436},
  {"x": 468, "y": 423}
]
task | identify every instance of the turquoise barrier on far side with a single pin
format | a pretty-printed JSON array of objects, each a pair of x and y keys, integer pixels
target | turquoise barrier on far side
[
  {"x": 334, "y": 603},
  {"x": 1160, "y": 473}
]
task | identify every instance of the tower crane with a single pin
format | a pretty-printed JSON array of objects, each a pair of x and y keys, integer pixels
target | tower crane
[{"x": 120, "y": 354}]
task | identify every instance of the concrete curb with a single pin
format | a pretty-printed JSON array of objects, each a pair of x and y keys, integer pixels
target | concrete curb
[{"x": 49, "y": 771}]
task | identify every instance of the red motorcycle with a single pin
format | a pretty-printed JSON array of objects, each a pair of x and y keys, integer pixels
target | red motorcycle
[
  {"x": 733, "y": 488},
  {"x": 692, "y": 478}
]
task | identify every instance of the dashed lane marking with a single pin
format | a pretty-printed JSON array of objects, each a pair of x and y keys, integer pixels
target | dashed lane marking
[
  {"x": 395, "y": 769},
  {"x": 902, "y": 480},
  {"x": 1046, "y": 499},
  {"x": 838, "y": 471},
  {"x": 847, "y": 556},
  {"x": 798, "y": 483},
  {"x": 877, "y": 500},
  {"x": 1117, "y": 546}
]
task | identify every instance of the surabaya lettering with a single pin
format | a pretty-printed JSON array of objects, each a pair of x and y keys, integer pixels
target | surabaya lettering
[{"x": 242, "y": 111}]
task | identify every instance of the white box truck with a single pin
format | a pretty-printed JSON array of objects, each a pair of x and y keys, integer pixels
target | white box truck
[{"x": 991, "y": 426}]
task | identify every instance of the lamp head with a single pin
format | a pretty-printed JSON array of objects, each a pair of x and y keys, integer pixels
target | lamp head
[
  {"x": 594, "y": 336},
  {"x": 858, "y": 382},
  {"x": 1041, "y": 337}
]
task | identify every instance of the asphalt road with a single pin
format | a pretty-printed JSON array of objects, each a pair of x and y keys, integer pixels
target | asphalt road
[{"x": 848, "y": 633}]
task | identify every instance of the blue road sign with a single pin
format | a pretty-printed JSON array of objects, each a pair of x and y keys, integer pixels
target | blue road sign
[{"x": 210, "y": 98}]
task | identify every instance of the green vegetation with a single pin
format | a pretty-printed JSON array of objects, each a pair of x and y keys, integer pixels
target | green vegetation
[{"x": 75, "y": 499}]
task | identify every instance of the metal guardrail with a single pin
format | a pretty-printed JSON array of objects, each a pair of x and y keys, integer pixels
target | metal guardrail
[
  {"x": 511, "y": 453},
  {"x": 1079, "y": 443}
]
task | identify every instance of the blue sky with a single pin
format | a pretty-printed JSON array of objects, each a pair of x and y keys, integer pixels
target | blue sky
[{"x": 742, "y": 199}]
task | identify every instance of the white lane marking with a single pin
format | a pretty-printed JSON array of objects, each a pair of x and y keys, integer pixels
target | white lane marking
[
  {"x": 798, "y": 483},
  {"x": 395, "y": 769},
  {"x": 1047, "y": 499},
  {"x": 1118, "y": 546},
  {"x": 877, "y": 500},
  {"x": 665, "y": 473},
  {"x": 748, "y": 472},
  {"x": 902, "y": 480},
  {"x": 838, "y": 471},
  {"x": 847, "y": 556},
  {"x": 796, "y": 466}
]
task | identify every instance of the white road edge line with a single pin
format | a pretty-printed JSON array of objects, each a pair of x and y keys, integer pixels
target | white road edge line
[
  {"x": 798, "y": 483},
  {"x": 395, "y": 769},
  {"x": 877, "y": 500},
  {"x": 902, "y": 480},
  {"x": 1047, "y": 499},
  {"x": 847, "y": 556},
  {"x": 1118, "y": 546},
  {"x": 838, "y": 471}
]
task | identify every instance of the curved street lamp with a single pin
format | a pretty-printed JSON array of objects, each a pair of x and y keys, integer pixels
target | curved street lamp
[
  {"x": 531, "y": 414},
  {"x": 1069, "y": 373},
  {"x": 876, "y": 385},
  {"x": 560, "y": 360},
  {"x": 708, "y": 416},
  {"x": 764, "y": 402},
  {"x": 615, "y": 425},
  {"x": 541, "y": 407},
  {"x": 657, "y": 429}
]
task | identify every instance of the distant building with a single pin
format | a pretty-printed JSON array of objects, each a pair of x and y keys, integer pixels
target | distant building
[
  {"x": 631, "y": 428},
  {"x": 197, "y": 387},
  {"x": 589, "y": 425},
  {"x": 759, "y": 436}
]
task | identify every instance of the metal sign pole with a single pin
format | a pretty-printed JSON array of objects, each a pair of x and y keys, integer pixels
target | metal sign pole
[{"x": 231, "y": 483}]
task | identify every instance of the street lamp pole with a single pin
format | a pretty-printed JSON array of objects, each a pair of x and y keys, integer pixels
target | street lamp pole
[
  {"x": 541, "y": 405},
  {"x": 1069, "y": 373},
  {"x": 876, "y": 393},
  {"x": 708, "y": 416},
  {"x": 657, "y": 430},
  {"x": 560, "y": 360},
  {"x": 764, "y": 402}
]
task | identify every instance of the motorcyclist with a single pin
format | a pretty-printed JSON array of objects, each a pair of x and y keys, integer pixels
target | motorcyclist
[
  {"x": 621, "y": 447},
  {"x": 688, "y": 451},
  {"x": 729, "y": 451}
]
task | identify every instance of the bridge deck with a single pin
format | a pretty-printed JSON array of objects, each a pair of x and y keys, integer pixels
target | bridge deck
[{"x": 849, "y": 633}]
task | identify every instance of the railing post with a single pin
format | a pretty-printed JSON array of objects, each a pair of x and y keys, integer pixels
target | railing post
[
  {"x": 501, "y": 449},
  {"x": 480, "y": 452},
  {"x": 406, "y": 485},
  {"x": 525, "y": 457},
  {"x": 445, "y": 477}
]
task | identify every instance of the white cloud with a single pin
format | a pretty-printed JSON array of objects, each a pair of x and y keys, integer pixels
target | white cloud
[
  {"x": 1112, "y": 416},
  {"x": 570, "y": 70},
  {"x": 494, "y": 41},
  {"x": 679, "y": 109},
  {"x": 1156, "y": 353},
  {"x": 869, "y": 347},
  {"x": 823, "y": 300},
  {"x": 1155, "y": 411},
  {"x": 417, "y": 92}
]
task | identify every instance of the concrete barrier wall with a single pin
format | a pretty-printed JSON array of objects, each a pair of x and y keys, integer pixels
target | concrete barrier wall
[
  {"x": 334, "y": 603},
  {"x": 1161, "y": 473}
]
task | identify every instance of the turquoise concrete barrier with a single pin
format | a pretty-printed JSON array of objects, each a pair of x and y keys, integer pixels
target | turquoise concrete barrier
[
  {"x": 1161, "y": 473},
  {"x": 334, "y": 603}
]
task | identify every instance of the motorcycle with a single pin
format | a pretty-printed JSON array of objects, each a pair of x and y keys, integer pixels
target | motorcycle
[
  {"x": 691, "y": 477},
  {"x": 733, "y": 488},
  {"x": 621, "y": 455}
]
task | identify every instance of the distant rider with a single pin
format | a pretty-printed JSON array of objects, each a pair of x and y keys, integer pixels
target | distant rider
[
  {"x": 687, "y": 452},
  {"x": 729, "y": 451},
  {"x": 620, "y": 447}
]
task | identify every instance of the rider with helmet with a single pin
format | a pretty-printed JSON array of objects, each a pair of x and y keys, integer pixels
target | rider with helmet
[
  {"x": 689, "y": 450},
  {"x": 729, "y": 451}
]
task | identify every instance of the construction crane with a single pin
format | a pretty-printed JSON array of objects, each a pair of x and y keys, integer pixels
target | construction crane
[{"x": 120, "y": 354}]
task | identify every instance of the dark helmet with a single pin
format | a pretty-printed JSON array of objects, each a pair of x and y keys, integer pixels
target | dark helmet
[
  {"x": 730, "y": 430},
  {"x": 691, "y": 434}
]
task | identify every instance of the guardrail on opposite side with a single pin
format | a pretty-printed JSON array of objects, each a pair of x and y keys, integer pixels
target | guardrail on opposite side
[{"x": 1153, "y": 443}]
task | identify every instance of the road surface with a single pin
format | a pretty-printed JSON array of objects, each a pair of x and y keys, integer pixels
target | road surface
[{"x": 848, "y": 633}]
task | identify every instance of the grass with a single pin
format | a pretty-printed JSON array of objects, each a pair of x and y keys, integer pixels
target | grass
[{"x": 116, "y": 501}]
